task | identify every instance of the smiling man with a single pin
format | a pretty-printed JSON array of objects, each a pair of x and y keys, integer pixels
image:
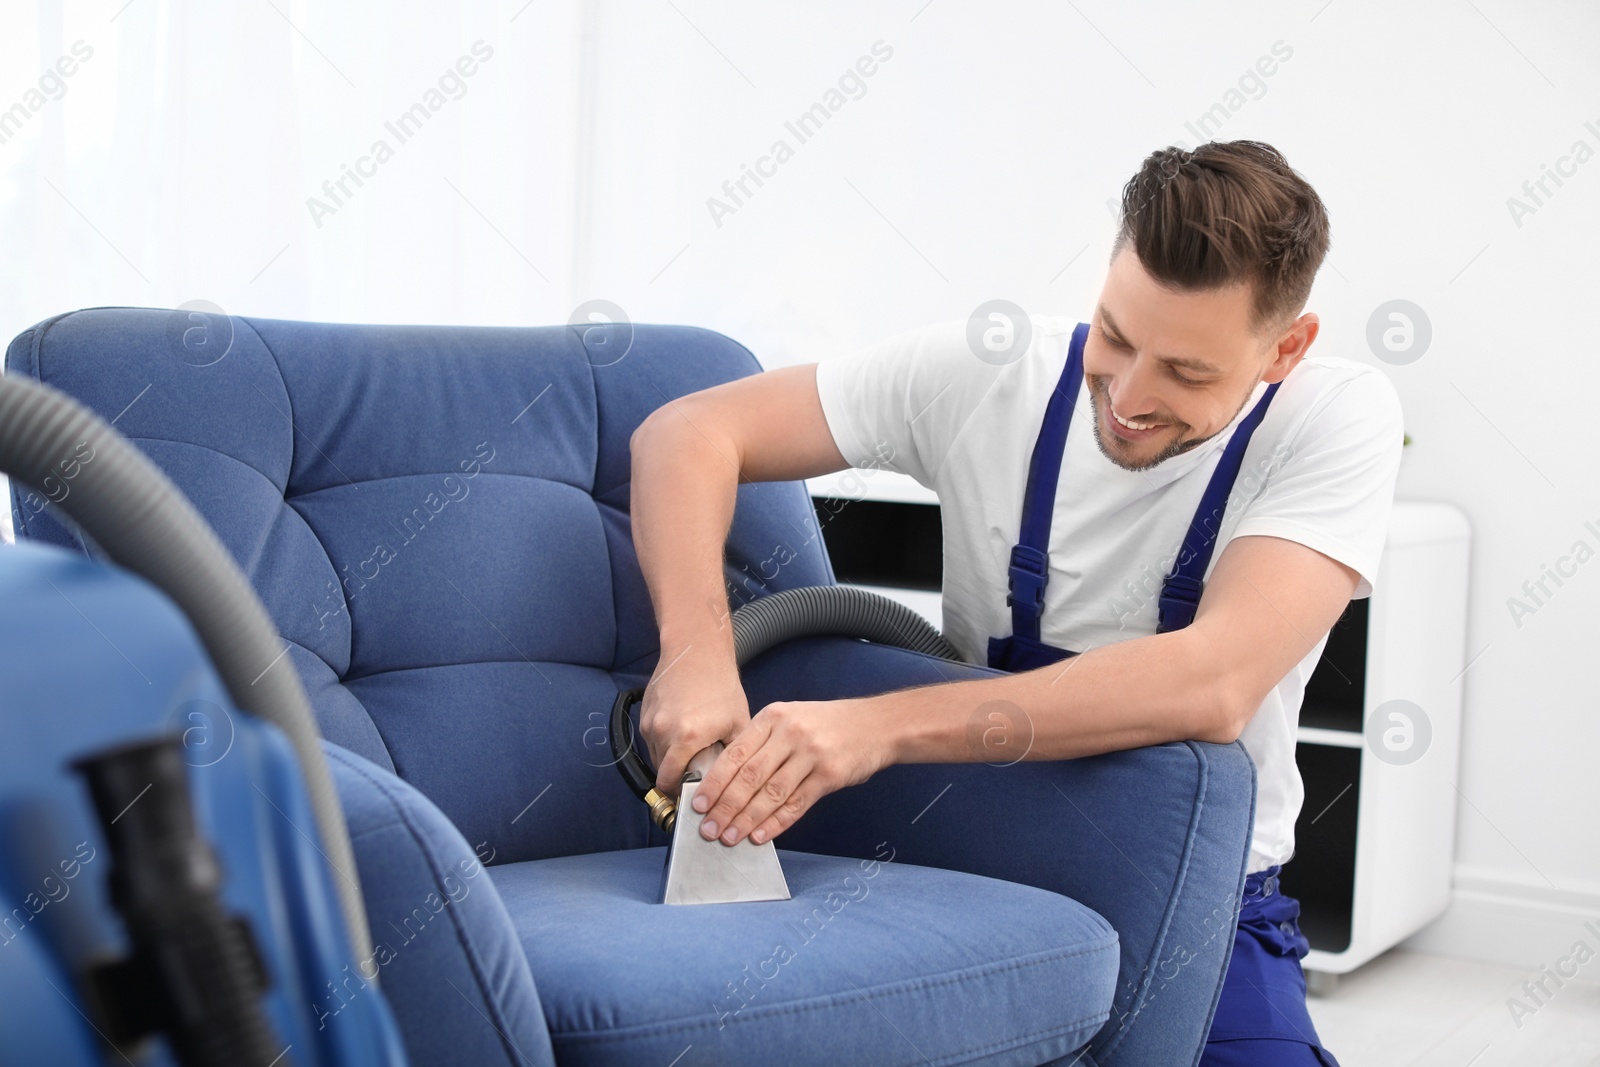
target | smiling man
[{"x": 1151, "y": 522}]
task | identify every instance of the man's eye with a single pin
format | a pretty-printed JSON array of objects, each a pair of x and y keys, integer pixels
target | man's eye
[{"x": 1176, "y": 376}]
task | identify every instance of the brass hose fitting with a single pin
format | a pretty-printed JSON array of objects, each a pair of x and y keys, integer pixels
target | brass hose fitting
[{"x": 662, "y": 809}]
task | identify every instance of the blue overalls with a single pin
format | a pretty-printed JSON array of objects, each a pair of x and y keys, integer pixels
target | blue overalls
[{"x": 1261, "y": 1016}]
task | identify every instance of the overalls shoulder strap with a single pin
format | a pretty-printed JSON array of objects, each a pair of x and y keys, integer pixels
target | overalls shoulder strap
[
  {"x": 1180, "y": 591},
  {"x": 1029, "y": 569}
]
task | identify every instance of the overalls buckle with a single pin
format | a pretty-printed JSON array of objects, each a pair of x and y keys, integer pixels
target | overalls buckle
[
  {"x": 1180, "y": 598},
  {"x": 1029, "y": 572}
]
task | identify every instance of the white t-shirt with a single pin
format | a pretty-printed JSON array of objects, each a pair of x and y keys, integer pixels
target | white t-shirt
[{"x": 1320, "y": 470}]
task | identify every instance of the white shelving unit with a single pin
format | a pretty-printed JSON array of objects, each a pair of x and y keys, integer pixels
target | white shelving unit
[
  {"x": 1405, "y": 812},
  {"x": 884, "y": 487}
]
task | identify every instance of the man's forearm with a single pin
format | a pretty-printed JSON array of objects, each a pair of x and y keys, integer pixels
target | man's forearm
[
  {"x": 683, "y": 494},
  {"x": 1143, "y": 691}
]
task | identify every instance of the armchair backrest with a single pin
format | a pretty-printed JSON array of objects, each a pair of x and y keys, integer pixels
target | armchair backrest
[{"x": 437, "y": 520}]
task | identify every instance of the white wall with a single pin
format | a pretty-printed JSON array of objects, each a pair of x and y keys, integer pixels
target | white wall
[{"x": 978, "y": 163}]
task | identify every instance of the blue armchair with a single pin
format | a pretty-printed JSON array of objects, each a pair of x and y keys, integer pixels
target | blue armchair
[{"x": 436, "y": 519}]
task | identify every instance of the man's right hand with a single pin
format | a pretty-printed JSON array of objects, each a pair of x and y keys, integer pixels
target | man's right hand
[
  {"x": 688, "y": 458},
  {"x": 687, "y": 708}
]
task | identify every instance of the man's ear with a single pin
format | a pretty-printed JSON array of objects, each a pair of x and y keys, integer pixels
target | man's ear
[{"x": 1291, "y": 347}]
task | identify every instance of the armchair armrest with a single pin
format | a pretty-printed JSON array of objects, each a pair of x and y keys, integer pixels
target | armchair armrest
[
  {"x": 437, "y": 921},
  {"x": 1154, "y": 839}
]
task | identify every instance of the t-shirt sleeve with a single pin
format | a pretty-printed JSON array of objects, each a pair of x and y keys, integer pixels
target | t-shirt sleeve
[
  {"x": 1335, "y": 488},
  {"x": 898, "y": 405}
]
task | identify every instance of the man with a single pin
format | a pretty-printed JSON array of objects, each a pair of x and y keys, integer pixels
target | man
[{"x": 1092, "y": 483}]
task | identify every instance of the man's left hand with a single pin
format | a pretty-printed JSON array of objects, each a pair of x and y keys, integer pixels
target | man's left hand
[{"x": 789, "y": 756}]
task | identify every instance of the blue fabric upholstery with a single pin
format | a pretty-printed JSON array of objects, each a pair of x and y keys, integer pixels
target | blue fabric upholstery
[
  {"x": 437, "y": 520},
  {"x": 916, "y": 965},
  {"x": 1153, "y": 839},
  {"x": 438, "y": 924}
]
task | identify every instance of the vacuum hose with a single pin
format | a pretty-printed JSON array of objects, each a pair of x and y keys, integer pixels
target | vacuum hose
[
  {"x": 840, "y": 610},
  {"x": 131, "y": 509}
]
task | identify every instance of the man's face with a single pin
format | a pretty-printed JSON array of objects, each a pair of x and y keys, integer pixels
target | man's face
[{"x": 1180, "y": 364}]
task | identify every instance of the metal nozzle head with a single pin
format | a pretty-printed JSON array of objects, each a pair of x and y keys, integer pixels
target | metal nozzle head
[{"x": 709, "y": 872}]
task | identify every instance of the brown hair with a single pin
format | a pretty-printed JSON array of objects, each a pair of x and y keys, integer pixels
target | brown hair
[{"x": 1227, "y": 212}]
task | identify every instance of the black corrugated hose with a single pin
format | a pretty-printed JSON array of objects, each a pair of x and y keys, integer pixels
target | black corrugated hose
[{"x": 809, "y": 611}]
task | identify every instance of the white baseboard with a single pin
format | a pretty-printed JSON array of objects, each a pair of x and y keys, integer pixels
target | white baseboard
[{"x": 1513, "y": 921}]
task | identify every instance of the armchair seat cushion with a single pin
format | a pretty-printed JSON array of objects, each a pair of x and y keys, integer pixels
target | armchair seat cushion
[{"x": 870, "y": 961}]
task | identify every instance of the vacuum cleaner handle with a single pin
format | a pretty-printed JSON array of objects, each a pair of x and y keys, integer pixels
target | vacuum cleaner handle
[
  {"x": 636, "y": 769},
  {"x": 843, "y": 610}
]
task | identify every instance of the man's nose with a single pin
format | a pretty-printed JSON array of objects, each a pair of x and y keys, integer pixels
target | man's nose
[{"x": 1133, "y": 391}]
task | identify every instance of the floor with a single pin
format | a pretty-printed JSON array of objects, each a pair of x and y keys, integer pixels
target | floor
[{"x": 1411, "y": 1008}]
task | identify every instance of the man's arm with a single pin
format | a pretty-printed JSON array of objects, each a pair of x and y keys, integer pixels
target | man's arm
[
  {"x": 1267, "y": 603},
  {"x": 689, "y": 456}
]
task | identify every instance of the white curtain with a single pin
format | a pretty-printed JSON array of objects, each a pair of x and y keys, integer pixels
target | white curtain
[
  {"x": 177, "y": 160},
  {"x": 154, "y": 152}
]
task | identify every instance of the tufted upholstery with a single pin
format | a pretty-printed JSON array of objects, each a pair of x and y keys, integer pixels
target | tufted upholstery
[{"x": 420, "y": 485}]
